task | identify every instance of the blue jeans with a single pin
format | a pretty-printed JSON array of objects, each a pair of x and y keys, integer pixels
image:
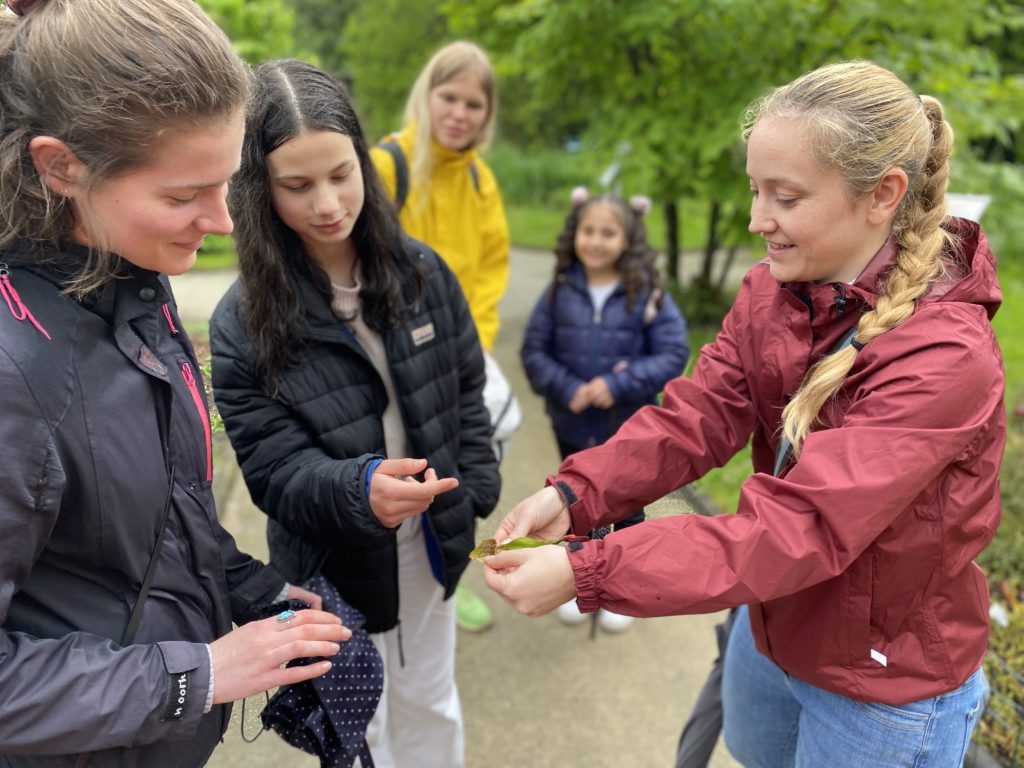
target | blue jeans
[{"x": 775, "y": 720}]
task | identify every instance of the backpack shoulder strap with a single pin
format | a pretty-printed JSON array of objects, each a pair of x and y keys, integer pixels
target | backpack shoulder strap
[
  {"x": 785, "y": 449},
  {"x": 401, "y": 172}
]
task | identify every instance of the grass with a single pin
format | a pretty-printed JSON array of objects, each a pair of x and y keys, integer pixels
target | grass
[
  {"x": 721, "y": 485},
  {"x": 1008, "y": 323}
]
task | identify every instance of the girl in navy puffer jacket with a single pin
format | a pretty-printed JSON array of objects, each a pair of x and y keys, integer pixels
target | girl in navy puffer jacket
[{"x": 604, "y": 338}]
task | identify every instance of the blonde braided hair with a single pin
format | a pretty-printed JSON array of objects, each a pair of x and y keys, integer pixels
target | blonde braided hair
[{"x": 864, "y": 121}]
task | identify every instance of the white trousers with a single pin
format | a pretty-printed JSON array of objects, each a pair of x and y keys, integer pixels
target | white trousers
[{"x": 418, "y": 723}]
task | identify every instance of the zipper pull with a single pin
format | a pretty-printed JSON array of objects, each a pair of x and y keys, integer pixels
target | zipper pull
[
  {"x": 19, "y": 311},
  {"x": 170, "y": 320},
  {"x": 840, "y": 298}
]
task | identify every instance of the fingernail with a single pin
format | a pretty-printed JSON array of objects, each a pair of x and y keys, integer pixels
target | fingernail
[
  {"x": 327, "y": 666},
  {"x": 337, "y": 649}
]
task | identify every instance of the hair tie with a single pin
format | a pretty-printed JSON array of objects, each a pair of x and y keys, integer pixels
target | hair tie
[
  {"x": 640, "y": 204},
  {"x": 21, "y": 7},
  {"x": 578, "y": 196}
]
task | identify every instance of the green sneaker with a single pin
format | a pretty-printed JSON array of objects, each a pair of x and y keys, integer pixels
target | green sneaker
[{"x": 471, "y": 613}]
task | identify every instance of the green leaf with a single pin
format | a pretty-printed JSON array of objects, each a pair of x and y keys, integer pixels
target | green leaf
[{"x": 489, "y": 547}]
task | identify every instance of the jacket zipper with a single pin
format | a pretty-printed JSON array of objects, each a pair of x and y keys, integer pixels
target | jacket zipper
[
  {"x": 197, "y": 398},
  {"x": 839, "y": 298}
]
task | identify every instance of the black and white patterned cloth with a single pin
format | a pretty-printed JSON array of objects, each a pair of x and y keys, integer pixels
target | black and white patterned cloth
[{"x": 328, "y": 716}]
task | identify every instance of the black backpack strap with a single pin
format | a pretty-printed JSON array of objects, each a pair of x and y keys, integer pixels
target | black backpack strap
[
  {"x": 147, "y": 582},
  {"x": 782, "y": 454},
  {"x": 401, "y": 172}
]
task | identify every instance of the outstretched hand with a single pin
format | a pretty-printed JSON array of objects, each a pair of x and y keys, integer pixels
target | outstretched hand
[
  {"x": 540, "y": 516},
  {"x": 396, "y": 495},
  {"x": 251, "y": 659},
  {"x": 533, "y": 581}
]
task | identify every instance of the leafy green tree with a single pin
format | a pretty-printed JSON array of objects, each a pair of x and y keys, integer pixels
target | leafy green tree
[
  {"x": 385, "y": 45},
  {"x": 673, "y": 78},
  {"x": 259, "y": 30},
  {"x": 320, "y": 25}
]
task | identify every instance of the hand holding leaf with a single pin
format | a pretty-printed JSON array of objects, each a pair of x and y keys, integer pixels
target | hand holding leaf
[{"x": 489, "y": 547}]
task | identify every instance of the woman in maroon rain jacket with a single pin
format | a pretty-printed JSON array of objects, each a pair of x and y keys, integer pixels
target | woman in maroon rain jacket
[{"x": 856, "y": 556}]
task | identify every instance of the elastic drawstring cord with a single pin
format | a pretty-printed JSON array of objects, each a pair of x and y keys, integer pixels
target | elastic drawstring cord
[{"x": 15, "y": 304}]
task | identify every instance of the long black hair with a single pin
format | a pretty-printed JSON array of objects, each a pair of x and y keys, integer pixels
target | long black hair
[{"x": 291, "y": 96}]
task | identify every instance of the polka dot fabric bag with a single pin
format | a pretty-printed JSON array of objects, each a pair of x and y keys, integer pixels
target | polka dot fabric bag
[{"x": 328, "y": 716}]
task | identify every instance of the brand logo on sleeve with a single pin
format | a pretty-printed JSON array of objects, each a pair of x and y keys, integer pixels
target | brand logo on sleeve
[{"x": 178, "y": 693}]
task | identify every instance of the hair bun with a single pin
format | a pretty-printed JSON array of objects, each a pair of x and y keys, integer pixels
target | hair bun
[
  {"x": 640, "y": 204},
  {"x": 578, "y": 196},
  {"x": 21, "y": 7}
]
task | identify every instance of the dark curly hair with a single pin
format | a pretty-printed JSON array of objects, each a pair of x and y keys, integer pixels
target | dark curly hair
[
  {"x": 636, "y": 264},
  {"x": 291, "y": 96}
]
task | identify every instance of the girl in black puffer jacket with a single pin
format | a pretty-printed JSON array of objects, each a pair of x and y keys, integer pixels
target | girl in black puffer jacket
[{"x": 345, "y": 342}]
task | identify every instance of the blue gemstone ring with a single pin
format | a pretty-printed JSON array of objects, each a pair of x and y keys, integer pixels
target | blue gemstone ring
[{"x": 286, "y": 616}]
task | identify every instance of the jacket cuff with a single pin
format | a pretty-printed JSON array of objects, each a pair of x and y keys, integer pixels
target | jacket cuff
[
  {"x": 188, "y": 668},
  {"x": 208, "y": 705},
  {"x": 368, "y": 476},
  {"x": 254, "y": 593},
  {"x": 586, "y": 561},
  {"x": 614, "y": 382},
  {"x": 577, "y": 519}
]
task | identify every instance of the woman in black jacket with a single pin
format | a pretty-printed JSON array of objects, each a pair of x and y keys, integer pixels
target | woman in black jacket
[
  {"x": 120, "y": 124},
  {"x": 345, "y": 342}
]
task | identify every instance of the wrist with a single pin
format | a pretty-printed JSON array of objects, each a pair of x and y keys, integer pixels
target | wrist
[{"x": 566, "y": 496}]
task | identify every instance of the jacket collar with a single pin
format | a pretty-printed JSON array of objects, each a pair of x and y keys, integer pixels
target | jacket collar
[
  {"x": 322, "y": 322},
  {"x": 448, "y": 158},
  {"x": 970, "y": 277},
  {"x": 576, "y": 276},
  {"x": 130, "y": 293}
]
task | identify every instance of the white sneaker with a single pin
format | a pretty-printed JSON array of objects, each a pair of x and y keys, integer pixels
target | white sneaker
[
  {"x": 613, "y": 622},
  {"x": 569, "y": 613}
]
